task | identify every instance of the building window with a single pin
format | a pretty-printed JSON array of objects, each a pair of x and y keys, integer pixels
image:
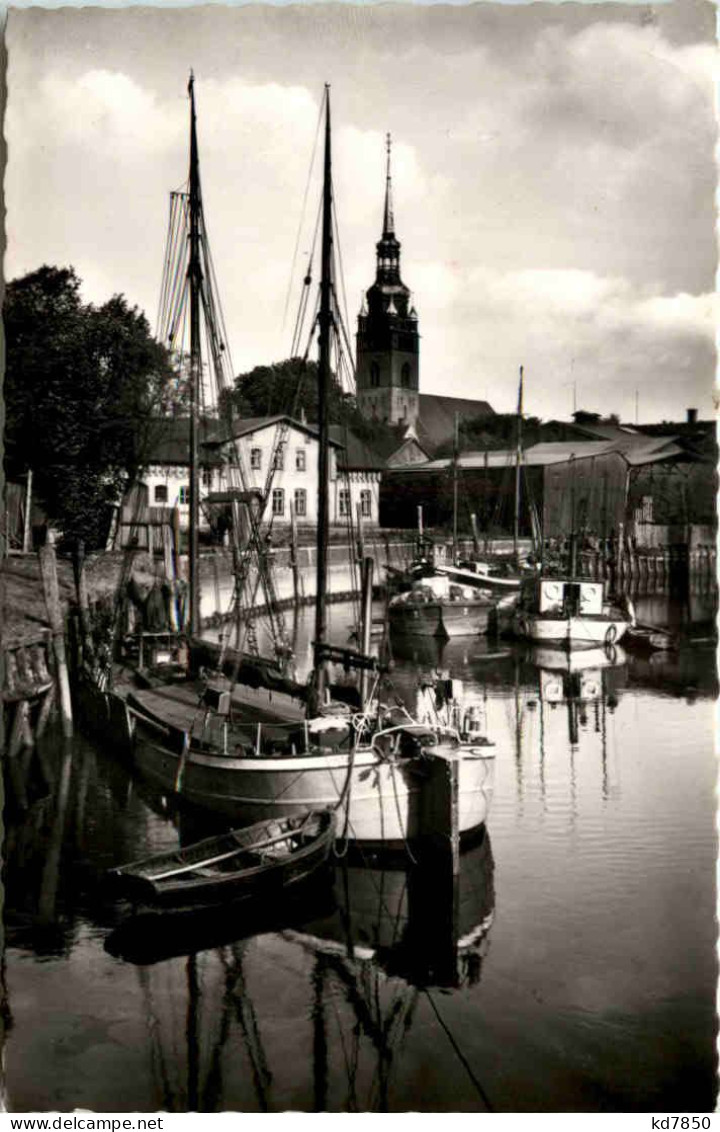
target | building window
[
  {"x": 300, "y": 502},
  {"x": 278, "y": 501},
  {"x": 184, "y": 494},
  {"x": 405, "y": 376},
  {"x": 365, "y": 503},
  {"x": 279, "y": 458},
  {"x": 207, "y": 478},
  {"x": 343, "y": 501},
  {"x": 374, "y": 374},
  {"x": 300, "y": 456},
  {"x": 161, "y": 493},
  {"x": 256, "y": 458}
]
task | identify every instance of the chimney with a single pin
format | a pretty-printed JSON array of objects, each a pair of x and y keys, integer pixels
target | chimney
[{"x": 692, "y": 416}]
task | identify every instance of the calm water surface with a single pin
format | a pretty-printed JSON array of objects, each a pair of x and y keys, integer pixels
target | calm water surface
[{"x": 575, "y": 971}]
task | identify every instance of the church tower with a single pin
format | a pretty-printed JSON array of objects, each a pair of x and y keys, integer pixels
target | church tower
[{"x": 388, "y": 354}]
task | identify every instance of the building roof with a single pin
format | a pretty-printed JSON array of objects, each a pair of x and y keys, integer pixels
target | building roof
[
  {"x": 436, "y": 416},
  {"x": 355, "y": 454},
  {"x": 388, "y": 445},
  {"x": 169, "y": 441},
  {"x": 170, "y": 437},
  {"x": 244, "y": 425},
  {"x": 641, "y": 450}
]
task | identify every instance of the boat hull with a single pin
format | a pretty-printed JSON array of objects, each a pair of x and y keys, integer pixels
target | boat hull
[
  {"x": 378, "y": 800},
  {"x": 441, "y": 618},
  {"x": 184, "y": 877},
  {"x": 582, "y": 631}
]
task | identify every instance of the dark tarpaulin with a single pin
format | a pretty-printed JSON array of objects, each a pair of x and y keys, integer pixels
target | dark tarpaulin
[{"x": 255, "y": 672}]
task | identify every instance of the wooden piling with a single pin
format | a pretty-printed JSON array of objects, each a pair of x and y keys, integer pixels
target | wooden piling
[
  {"x": 88, "y": 648},
  {"x": 51, "y": 590},
  {"x": 440, "y": 810},
  {"x": 27, "y": 528}
]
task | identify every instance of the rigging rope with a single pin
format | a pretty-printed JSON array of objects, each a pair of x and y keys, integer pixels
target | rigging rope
[{"x": 460, "y": 1055}]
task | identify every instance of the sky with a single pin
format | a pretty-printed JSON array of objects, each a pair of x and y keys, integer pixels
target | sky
[{"x": 553, "y": 177}]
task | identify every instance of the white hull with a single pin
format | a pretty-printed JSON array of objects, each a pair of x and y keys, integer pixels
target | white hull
[
  {"x": 571, "y": 630},
  {"x": 381, "y": 805}
]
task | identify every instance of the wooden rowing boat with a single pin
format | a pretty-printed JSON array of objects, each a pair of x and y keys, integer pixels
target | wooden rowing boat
[{"x": 254, "y": 861}]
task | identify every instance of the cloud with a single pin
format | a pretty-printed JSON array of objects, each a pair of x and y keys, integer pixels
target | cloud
[
  {"x": 581, "y": 337},
  {"x": 553, "y": 179}
]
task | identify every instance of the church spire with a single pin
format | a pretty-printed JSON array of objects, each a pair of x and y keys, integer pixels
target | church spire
[
  {"x": 388, "y": 218},
  {"x": 388, "y": 246}
]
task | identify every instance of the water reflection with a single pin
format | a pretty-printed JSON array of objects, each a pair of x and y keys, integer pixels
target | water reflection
[
  {"x": 388, "y": 984},
  {"x": 376, "y": 934}
]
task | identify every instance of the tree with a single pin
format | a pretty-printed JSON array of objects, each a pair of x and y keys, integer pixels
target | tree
[
  {"x": 291, "y": 387},
  {"x": 82, "y": 387}
]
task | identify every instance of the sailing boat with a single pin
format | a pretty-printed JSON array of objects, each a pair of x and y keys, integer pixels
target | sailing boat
[
  {"x": 569, "y": 610},
  {"x": 272, "y": 758},
  {"x": 461, "y": 597}
]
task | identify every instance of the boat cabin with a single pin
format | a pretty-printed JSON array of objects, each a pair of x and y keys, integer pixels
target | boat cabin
[{"x": 564, "y": 597}]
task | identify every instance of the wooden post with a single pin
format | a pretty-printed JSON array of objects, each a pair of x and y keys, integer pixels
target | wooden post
[
  {"x": 293, "y": 554},
  {"x": 475, "y": 535},
  {"x": 44, "y": 714},
  {"x": 167, "y": 541},
  {"x": 440, "y": 821},
  {"x": 366, "y": 622},
  {"x": 48, "y": 572},
  {"x": 176, "y": 538},
  {"x": 83, "y": 602},
  {"x": 27, "y": 529},
  {"x": 360, "y": 534}
]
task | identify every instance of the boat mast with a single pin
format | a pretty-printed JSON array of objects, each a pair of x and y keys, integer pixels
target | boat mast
[
  {"x": 325, "y": 322},
  {"x": 455, "y": 488},
  {"x": 518, "y": 459},
  {"x": 194, "y": 273}
]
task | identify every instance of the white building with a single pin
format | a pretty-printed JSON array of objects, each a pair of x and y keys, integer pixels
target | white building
[{"x": 276, "y": 455}]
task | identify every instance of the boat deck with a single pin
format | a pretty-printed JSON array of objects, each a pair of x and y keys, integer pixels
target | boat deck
[{"x": 180, "y": 705}]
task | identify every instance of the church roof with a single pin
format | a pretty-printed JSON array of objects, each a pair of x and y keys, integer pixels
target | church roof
[{"x": 436, "y": 416}]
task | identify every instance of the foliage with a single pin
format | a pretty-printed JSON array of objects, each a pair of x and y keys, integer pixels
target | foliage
[
  {"x": 291, "y": 387},
  {"x": 82, "y": 384}
]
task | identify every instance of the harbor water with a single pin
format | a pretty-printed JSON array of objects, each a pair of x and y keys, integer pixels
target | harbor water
[{"x": 572, "y": 969}]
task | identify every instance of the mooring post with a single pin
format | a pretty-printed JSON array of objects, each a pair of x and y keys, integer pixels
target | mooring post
[
  {"x": 48, "y": 573},
  {"x": 83, "y": 602},
  {"x": 440, "y": 810}
]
